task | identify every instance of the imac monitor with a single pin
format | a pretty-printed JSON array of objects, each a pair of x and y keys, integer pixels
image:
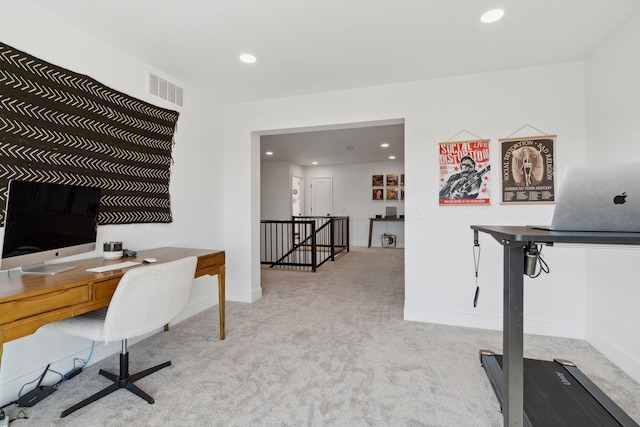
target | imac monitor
[{"x": 47, "y": 221}]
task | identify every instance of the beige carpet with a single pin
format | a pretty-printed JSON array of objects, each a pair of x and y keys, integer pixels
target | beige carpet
[{"x": 319, "y": 349}]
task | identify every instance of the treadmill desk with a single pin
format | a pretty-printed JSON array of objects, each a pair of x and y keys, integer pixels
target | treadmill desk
[{"x": 515, "y": 239}]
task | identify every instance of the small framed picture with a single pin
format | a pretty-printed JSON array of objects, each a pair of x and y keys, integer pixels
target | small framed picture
[
  {"x": 392, "y": 193},
  {"x": 392, "y": 179},
  {"x": 401, "y": 179},
  {"x": 377, "y": 180},
  {"x": 377, "y": 194}
]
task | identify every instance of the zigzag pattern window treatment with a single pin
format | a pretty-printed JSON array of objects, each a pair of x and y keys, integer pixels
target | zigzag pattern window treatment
[{"x": 62, "y": 127}]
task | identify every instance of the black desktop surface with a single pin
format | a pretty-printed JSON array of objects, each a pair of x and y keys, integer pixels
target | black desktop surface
[{"x": 520, "y": 233}]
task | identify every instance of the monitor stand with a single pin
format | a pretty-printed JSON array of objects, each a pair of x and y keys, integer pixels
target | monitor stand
[{"x": 49, "y": 269}]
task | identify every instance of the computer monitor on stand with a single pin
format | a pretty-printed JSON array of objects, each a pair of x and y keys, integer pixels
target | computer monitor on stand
[{"x": 46, "y": 222}]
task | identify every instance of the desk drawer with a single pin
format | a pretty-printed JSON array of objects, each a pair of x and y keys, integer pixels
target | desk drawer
[
  {"x": 104, "y": 290},
  {"x": 31, "y": 306},
  {"x": 210, "y": 261}
]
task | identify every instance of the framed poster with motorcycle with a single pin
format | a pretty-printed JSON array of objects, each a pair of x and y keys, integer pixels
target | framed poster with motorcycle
[
  {"x": 464, "y": 173},
  {"x": 528, "y": 166}
]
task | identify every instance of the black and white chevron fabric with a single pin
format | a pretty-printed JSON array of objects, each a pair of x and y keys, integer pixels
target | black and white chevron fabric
[{"x": 62, "y": 127}]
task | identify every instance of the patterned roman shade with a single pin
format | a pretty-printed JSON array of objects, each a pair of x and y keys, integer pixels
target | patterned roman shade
[{"x": 62, "y": 127}]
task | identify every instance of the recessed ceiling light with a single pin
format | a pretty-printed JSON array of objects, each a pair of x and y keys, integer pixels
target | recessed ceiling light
[
  {"x": 384, "y": 145},
  {"x": 492, "y": 16},
  {"x": 314, "y": 163},
  {"x": 247, "y": 58},
  {"x": 392, "y": 157},
  {"x": 269, "y": 153}
]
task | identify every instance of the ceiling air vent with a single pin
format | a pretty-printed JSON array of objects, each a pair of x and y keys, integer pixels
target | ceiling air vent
[{"x": 166, "y": 90}]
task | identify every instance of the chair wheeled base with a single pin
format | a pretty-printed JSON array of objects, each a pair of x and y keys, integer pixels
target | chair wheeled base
[
  {"x": 124, "y": 380},
  {"x": 167, "y": 284}
]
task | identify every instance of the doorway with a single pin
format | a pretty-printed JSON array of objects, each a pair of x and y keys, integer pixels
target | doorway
[
  {"x": 317, "y": 158},
  {"x": 322, "y": 196}
]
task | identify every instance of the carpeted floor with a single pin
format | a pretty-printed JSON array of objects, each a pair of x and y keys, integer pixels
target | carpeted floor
[{"x": 319, "y": 349}]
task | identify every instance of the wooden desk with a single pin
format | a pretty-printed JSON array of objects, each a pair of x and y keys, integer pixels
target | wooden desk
[
  {"x": 515, "y": 239},
  {"x": 372, "y": 220},
  {"x": 30, "y": 301}
]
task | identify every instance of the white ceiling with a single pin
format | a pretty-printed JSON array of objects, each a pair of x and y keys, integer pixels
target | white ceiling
[
  {"x": 312, "y": 46},
  {"x": 337, "y": 146}
]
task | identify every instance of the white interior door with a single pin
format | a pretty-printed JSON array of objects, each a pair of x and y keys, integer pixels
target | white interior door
[{"x": 322, "y": 196}]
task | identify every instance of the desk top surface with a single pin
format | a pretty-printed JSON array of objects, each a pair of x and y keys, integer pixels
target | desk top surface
[
  {"x": 15, "y": 283},
  {"x": 530, "y": 234},
  {"x": 387, "y": 219}
]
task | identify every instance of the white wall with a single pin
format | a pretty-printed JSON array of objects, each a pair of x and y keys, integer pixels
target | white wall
[
  {"x": 439, "y": 266},
  {"x": 275, "y": 187},
  {"x": 590, "y": 293},
  {"x": 613, "y": 135},
  {"x": 197, "y": 178},
  {"x": 352, "y": 197}
]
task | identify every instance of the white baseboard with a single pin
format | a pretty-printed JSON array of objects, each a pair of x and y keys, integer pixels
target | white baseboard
[
  {"x": 453, "y": 319},
  {"x": 252, "y": 296},
  {"x": 617, "y": 355},
  {"x": 490, "y": 322}
]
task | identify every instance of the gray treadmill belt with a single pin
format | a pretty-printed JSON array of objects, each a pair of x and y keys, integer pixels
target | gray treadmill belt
[{"x": 555, "y": 395}]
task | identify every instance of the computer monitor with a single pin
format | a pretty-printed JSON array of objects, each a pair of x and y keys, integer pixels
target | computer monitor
[{"x": 47, "y": 221}]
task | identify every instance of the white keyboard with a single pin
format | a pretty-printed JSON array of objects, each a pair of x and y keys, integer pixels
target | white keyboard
[{"x": 111, "y": 267}]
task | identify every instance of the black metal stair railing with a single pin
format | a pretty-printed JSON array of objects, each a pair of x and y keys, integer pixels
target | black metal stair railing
[{"x": 304, "y": 243}]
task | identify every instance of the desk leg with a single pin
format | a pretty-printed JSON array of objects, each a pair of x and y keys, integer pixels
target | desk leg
[
  {"x": 1, "y": 345},
  {"x": 370, "y": 231},
  {"x": 221, "y": 309},
  {"x": 221, "y": 299},
  {"x": 512, "y": 335}
]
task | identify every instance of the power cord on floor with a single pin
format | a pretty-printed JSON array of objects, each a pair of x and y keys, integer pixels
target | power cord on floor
[
  {"x": 75, "y": 370},
  {"x": 8, "y": 404},
  {"x": 22, "y": 415},
  {"x": 26, "y": 384},
  {"x": 5, "y": 420}
]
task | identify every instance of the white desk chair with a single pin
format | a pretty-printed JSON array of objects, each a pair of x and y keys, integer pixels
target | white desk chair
[{"x": 147, "y": 298}]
